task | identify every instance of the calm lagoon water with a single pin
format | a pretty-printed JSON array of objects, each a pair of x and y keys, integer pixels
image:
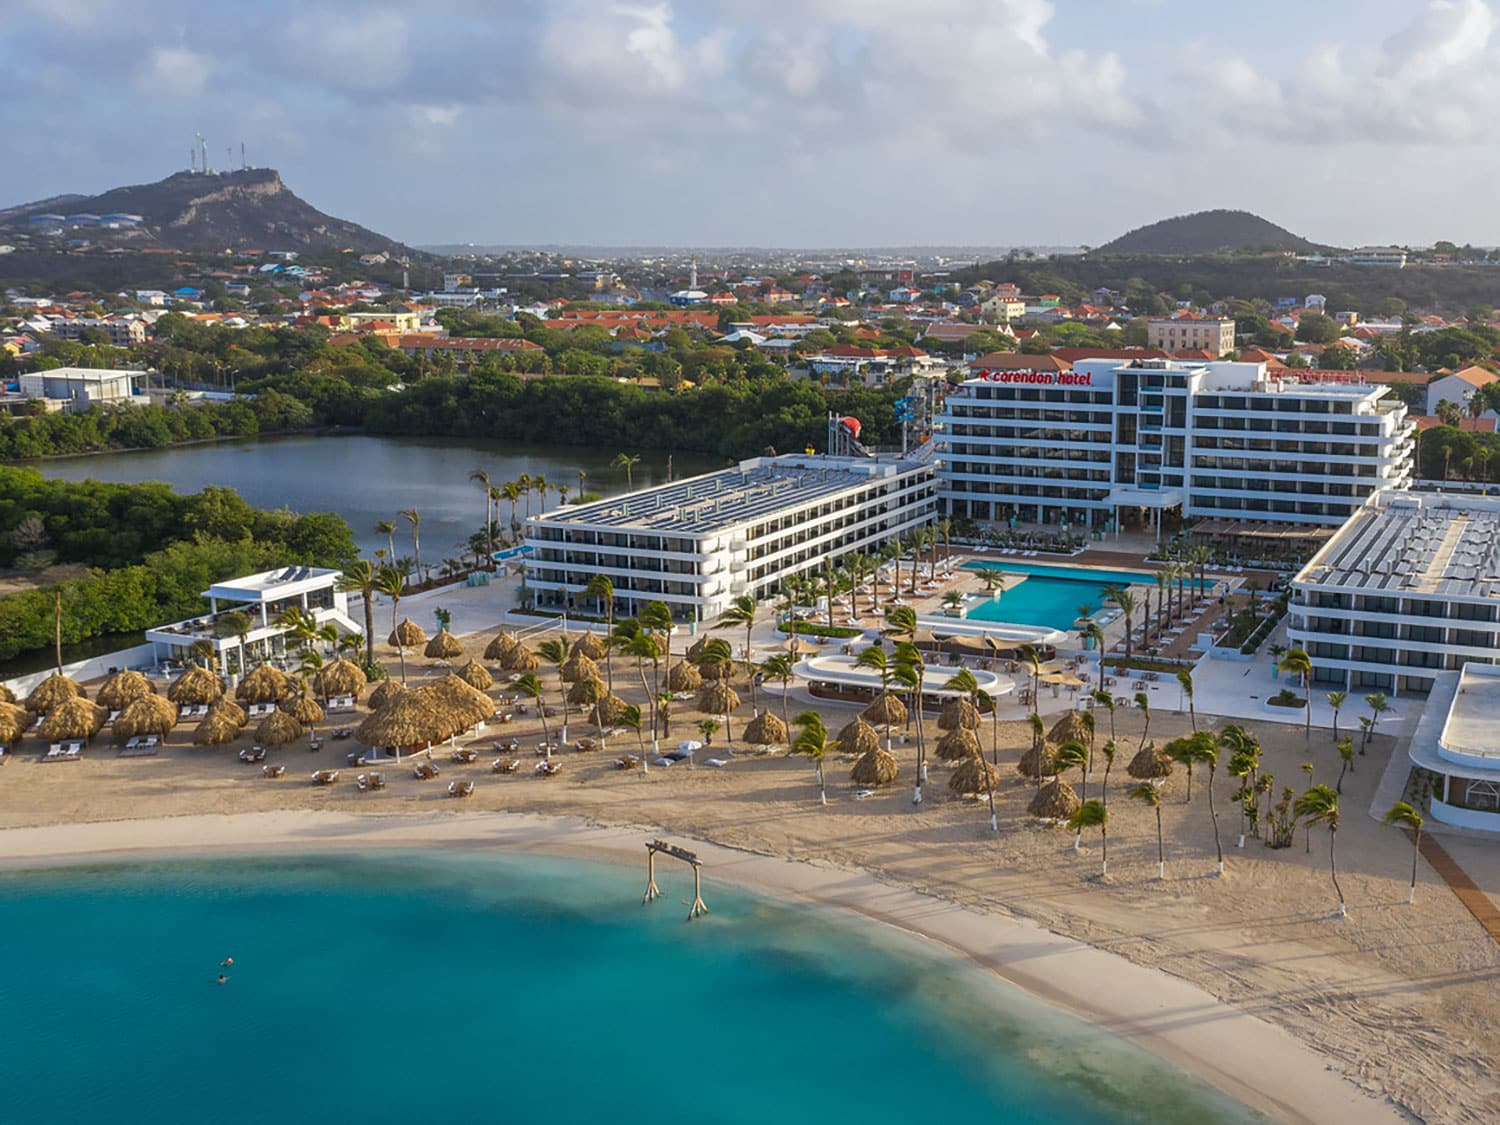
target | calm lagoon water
[
  {"x": 366, "y": 479},
  {"x": 467, "y": 987}
]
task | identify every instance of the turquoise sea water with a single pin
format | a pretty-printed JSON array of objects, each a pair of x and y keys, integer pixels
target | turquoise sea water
[
  {"x": 1051, "y": 595},
  {"x": 466, "y": 987}
]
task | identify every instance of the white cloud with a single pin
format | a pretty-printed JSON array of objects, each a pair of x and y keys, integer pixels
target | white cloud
[
  {"x": 173, "y": 72},
  {"x": 348, "y": 49}
]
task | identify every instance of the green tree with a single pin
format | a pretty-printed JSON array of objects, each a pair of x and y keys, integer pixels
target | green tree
[
  {"x": 1403, "y": 815},
  {"x": 1320, "y": 805},
  {"x": 1296, "y": 662},
  {"x": 813, "y": 741},
  {"x": 359, "y": 578},
  {"x": 392, "y": 583},
  {"x": 1150, "y": 795},
  {"x": 1093, "y": 814}
]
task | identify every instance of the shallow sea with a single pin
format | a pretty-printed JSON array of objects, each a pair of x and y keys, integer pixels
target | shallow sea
[{"x": 475, "y": 987}]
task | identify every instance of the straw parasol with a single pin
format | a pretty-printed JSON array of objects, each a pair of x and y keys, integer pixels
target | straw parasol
[
  {"x": 522, "y": 660},
  {"x": 195, "y": 686},
  {"x": 477, "y": 676},
  {"x": 73, "y": 718},
  {"x": 958, "y": 713},
  {"x": 122, "y": 689},
  {"x": 460, "y": 702},
  {"x": 52, "y": 692},
  {"x": 385, "y": 691},
  {"x": 227, "y": 708},
  {"x": 444, "y": 646},
  {"x": 608, "y": 711},
  {"x": 695, "y": 649},
  {"x": 682, "y": 676},
  {"x": 1069, "y": 728},
  {"x": 502, "y": 644},
  {"x": 589, "y": 645},
  {"x": 1150, "y": 764},
  {"x": 342, "y": 677},
  {"x": 1054, "y": 801},
  {"x": 765, "y": 729},
  {"x": 887, "y": 711},
  {"x": 263, "y": 684},
  {"x": 1039, "y": 762},
  {"x": 216, "y": 729},
  {"x": 585, "y": 691},
  {"x": 408, "y": 634},
  {"x": 304, "y": 708},
  {"x": 579, "y": 667},
  {"x": 858, "y": 737},
  {"x": 717, "y": 670},
  {"x": 6, "y": 695},
  {"x": 718, "y": 699},
  {"x": 277, "y": 729},
  {"x": 974, "y": 775},
  {"x": 13, "y": 722},
  {"x": 875, "y": 767},
  {"x": 957, "y": 745},
  {"x": 150, "y": 714},
  {"x": 409, "y": 718}
]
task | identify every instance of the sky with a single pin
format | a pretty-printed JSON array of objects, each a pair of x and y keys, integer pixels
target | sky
[{"x": 791, "y": 123}]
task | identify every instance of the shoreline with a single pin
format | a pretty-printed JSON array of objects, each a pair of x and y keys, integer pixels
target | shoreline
[{"x": 1230, "y": 1049}]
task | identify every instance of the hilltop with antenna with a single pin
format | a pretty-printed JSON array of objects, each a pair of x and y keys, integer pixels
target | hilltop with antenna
[{"x": 243, "y": 209}]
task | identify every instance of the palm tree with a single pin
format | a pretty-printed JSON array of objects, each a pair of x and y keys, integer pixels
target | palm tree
[
  {"x": 1378, "y": 705},
  {"x": 388, "y": 529},
  {"x": 237, "y": 623},
  {"x": 628, "y": 462},
  {"x": 656, "y": 620},
  {"x": 523, "y": 489},
  {"x": 511, "y": 490},
  {"x": 1123, "y": 598},
  {"x": 1073, "y": 754},
  {"x": 630, "y": 719},
  {"x": 359, "y": 578},
  {"x": 530, "y": 685},
  {"x": 742, "y": 611},
  {"x": 1143, "y": 704},
  {"x": 1161, "y": 575},
  {"x": 554, "y": 652},
  {"x": 1297, "y": 662},
  {"x": 1093, "y": 814},
  {"x": 414, "y": 517},
  {"x": 991, "y": 578},
  {"x": 1336, "y": 700},
  {"x": 911, "y": 673},
  {"x": 1404, "y": 816},
  {"x": 1185, "y": 678},
  {"x": 813, "y": 740},
  {"x": 876, "y": 659},
  {"x": 392, "y": 583},
  {"x": 489, "y": 523},
  {"x": 1320, "y": 805},
  {"x": 1150, "y": 795},
  {"x": 602, "y": 589},
  {"x": 1204, "y": 747},
  {"x": 779, "y": 668},
  {"x": 1104, "y": 699}
]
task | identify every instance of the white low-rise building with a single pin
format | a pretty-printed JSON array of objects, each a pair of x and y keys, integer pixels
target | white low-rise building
[
  {"x": 1409, "y": 587},
  {"x": 1458, "y": 739},
  {"x": 74, "y": 389},
  {"x": 1222, "y": 440},
  {"x": 696, "y": 544}
]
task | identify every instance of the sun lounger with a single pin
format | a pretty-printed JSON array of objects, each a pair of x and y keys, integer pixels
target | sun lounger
[
  {"x": 505, "y": 765},
  {"x": 272, "y": 771},
  {"x": 585, "y": 745},
  {"x": 464, "y": 756},
  {"x": 254, "y": 754},
  {"x": 716, "y": 763},
  {"x": 508, "y": 747},
  {"x": 341, "y": 733},
  {"x": 325, "y": 777},
  {"x": 259, "y": 710},
  {"x": 314, "y": 745},
  {"x": 424, "y": 771},
  {"x": 369, "y": 781},
  {"x": 545, "y": 748},
  {"x": 113, "y": 715},
  {"x": 142, "y": 749},
  {"x": 341, "y": 703},
  {"x": 504, "y": 716},
  {"x": 863, "y": 794},
  {"x": 628, "y": 762},
  {"x": 460, "y": 789},
  {"x": 66, "y": 751}
]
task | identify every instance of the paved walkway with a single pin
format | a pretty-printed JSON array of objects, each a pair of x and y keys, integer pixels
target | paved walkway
[{"x": 1469, "y": 892}]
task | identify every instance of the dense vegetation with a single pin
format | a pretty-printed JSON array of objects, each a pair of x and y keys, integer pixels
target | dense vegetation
[
  {"x": 1206, "y": 232},
  {"x": 151, "y": 552}
]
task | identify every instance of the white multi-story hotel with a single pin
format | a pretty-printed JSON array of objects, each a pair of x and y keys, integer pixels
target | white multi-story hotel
[
  {"x": 696, "y": 544},
  {"x": 1407, "y": 588},
  {"x": 1220, "y": 439}
]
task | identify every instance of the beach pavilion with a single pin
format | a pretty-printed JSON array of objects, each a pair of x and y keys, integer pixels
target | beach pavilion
[{"x": 1458, "y": 739}]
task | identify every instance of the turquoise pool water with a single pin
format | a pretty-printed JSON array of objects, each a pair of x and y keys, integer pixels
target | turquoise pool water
[
  {"x": 465, "y": 987},
  {"x": 1051, "y": 595}
]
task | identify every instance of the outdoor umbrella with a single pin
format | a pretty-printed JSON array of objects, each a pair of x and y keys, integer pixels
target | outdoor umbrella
[
  {"x": 719, "y": 699},
  {"x": 277, "y": 729},
  {"x": 584, "y": 692},
  {"x": 73, "y": 718},
  {"x": 958, "y": 713},
  {"x": 150, "y": 714},
  {"x": 588, "y": 645},
  {"x": 682, "y": 676},
  {"x": 14, "y": 721},
  {"x": 608, "y": 711},
  {"x": 858, "y": 737},
  {"x": 765, "y": 729},
  {"x": 216, "y": 730},
  {"x": 304, "y": 708},
  {"x": 195, "y": 686},
  {"x": 410, "y": 719},
  {"x": 1054, "y": 801},
  {"x": 497, "y": 649},
  {"x": 1069, "y": 728},
  {"x": 1150, "y": 764},
  {"x": 444, "y": 646},
  {"x": 121, "y": 689},
  {"x": 385, "y": 691},
  {"x": 408, "y": 634},
  {"x": 875, "y": 767},
  {"x": 477, "y": 676},
  {"x": 957, "y": 745},
  {"x": 55, "y": 690},
  {"x": 263, "y": 684},
  {"x": 886, "y": 711},
  {"x": 579, "y": 667},
  {"x": 224, "y": 707},
  {"x": 464, "y": 704},
  {"x": 973, "y": 775},
  {"x": 522, "y": 660},
  {"x": 342, "y": 677},
  {"x": 1039, "y": 761}
]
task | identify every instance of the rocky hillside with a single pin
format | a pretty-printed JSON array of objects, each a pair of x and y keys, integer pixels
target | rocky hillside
[
  {"x": 240, "y": 210},
  {"x": 1207, "y": 232}
]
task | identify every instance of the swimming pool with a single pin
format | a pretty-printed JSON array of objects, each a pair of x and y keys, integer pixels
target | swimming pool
[{"x": 1051, "y": 595}]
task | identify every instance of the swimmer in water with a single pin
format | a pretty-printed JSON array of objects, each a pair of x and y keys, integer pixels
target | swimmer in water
[
  {"x": 228, "y": 961},
  {"x": 223, "y": 979}
]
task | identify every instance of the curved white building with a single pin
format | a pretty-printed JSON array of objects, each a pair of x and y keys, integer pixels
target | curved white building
[{"x": 1458, "y": 738}]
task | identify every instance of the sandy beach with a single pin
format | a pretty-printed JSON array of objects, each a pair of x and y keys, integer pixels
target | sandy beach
[{"x": 1245, "y": 979}]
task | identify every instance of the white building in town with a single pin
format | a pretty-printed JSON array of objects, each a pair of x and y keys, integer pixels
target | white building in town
[
  {"x": 696, "y": 544},
  {"x": 1409, "y": 587},
  {"x": 75, "y": 389},
  {"x": 1227, "y": 440},
  {"x": 1458, "y": 738}
]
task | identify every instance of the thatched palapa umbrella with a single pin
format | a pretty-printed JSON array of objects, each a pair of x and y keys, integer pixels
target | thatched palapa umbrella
[
  {"x": 886, "y": 711},
  {"x": 974, "y": 775},
  {"x": 6, "y": 695},
  {"x": 765, "y": 729},
  {"x": 444, "y": 646},
  {"x": 858, "y": 737},
  {"x": 52, "y": 692},
  {"x": 150, "y": 714},
  {"x": 585, "y": 692},
  {"x": 13, "y": 722},
  {"x": 579, "y": 667},
  {"x": 304, "y": 708},
  {"x": 1069, "y": 728},
  {"x": 342, "y": 677},
  {"x": 122, "y": 689},
  {"x": 875, "y": 767},
  {"x": 73, "y": 718},
  {"x": 608, "y": 711},
  {"x": 1039, "y": 762},
  {"x": 682, "y": 676},
  {"x": 226, "y": 708},
  {"x": 277, "y": 729},
  {"x": 695, "y": 649},
  {"x": 263, "y": 684},
  {"x": 957, "y": 745},
  {"x": 408, "y": 634},
  {"x": 958, "y": 713},
  {"x": 409, "y": 720},
  {"x": 1054, "y": 801},
  {"x": 588, "y": 645},
  {"x": 216, "y": 730},
  {"x": 522, "y": 660},
  {"x": 195, "y": 686},
  {"x": 461, "y": 703},
  {"x": 499, "y": 647},
  {"x": 719, "y": 699},
  {"x": 477, "y": 676},
  {"x": 385, "y": 691},
  {"x": 1150, "y": 764}
]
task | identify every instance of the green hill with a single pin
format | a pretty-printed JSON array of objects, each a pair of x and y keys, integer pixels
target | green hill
[{"x": 1207, "y": 232}]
